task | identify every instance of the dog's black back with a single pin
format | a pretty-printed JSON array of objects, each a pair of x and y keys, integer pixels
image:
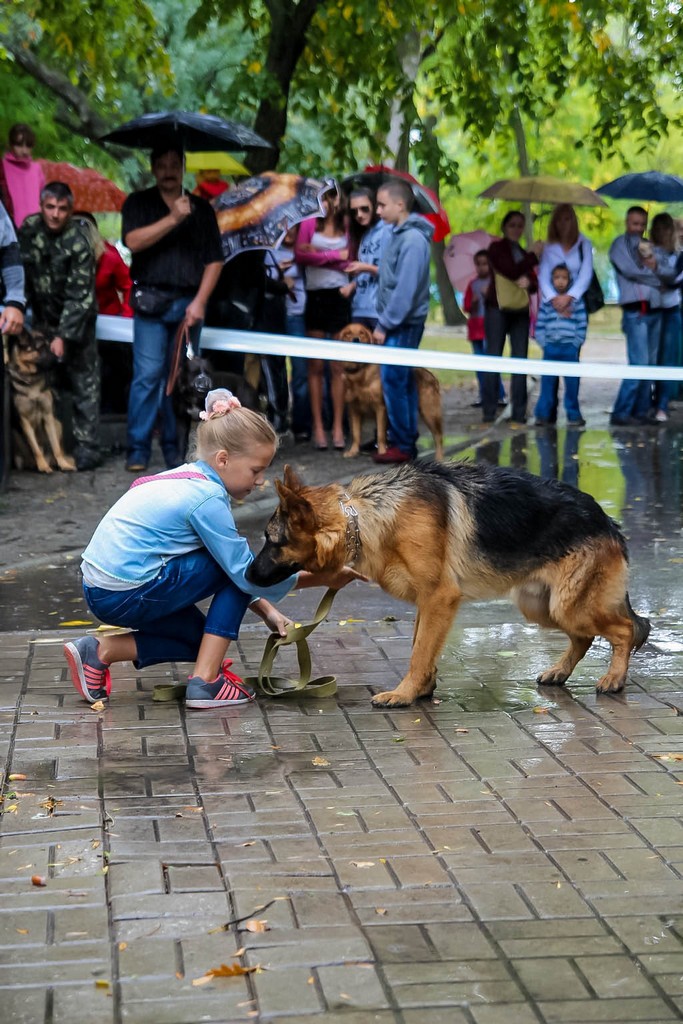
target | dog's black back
[{"x": 515, "y": 514}]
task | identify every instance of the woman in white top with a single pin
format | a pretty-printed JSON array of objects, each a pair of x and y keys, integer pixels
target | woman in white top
[
  {"x": 322, "y": 247},
  {"x": 565, "y": 245}
]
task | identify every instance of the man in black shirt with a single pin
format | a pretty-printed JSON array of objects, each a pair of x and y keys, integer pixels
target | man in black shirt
[{"x": 177, "y": 259}]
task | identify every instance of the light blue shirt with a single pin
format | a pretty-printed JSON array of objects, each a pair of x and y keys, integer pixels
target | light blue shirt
[{"x": 160, "y": 520}]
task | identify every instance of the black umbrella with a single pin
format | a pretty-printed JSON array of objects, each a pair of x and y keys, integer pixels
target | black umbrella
[
  {"x": 192, "y": 132},
  {"x": 649, "y": 186}
]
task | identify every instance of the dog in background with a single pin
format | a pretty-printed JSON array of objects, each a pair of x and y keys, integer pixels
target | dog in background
[
  {"x": 435, "y": 534},
  {"x": 364, "y": 397},
  {"x": 196, "y": 377},
  {"x": 39, "y": 432}
]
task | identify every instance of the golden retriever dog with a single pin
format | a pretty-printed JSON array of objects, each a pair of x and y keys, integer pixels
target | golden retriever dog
[
  {"x": 436, "y": 534},
  {"x": 30, "y": 362},
  {"x": 364, "y": 397}
]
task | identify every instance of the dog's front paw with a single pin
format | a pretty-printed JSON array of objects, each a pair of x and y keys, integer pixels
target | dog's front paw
[
  {"x": 610, "y": 683},
  {"x": 552, "y": 678},
  {"x": 67, "y": 465},
  {"x": 43, "y": 467},
  {"x": 351, "y": 453},
  {"x": 391, "y": 699}
]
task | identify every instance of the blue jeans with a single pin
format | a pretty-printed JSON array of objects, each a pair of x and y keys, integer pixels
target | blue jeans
[
  {"x": 642, "y": 331},
  {"x": 152, "y": 350},
  {"x": 668, "y": 355},
  {"x": 546, "y": 406},
  {"x": 169, "y": 625},
  {"x": 400, "y": 390},
  {"x": 301, "y": 403},
  {"x": 479, "y": 349}
]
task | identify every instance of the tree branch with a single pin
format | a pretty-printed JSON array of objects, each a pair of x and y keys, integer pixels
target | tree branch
[{"x": 89, "y": 122}]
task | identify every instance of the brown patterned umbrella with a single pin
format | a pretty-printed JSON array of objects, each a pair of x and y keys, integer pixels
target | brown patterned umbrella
[
  {"x": 92, "y": 191},
  {"x": 258, "y": 212}
]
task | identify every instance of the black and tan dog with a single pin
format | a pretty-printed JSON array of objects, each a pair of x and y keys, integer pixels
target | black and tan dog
[
  {"x": 364, "y": 397},
  {"x": 196, "y": 377},
  {"x": 30, "y": 362},
  {"x": 436, "y": 534}
]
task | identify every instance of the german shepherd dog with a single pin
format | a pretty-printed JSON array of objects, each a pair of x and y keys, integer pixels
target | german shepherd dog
[
  {"x": 30, "y": 363},
  {"x": 364, "y": 397},
  {"x": 436, "y": 534}
]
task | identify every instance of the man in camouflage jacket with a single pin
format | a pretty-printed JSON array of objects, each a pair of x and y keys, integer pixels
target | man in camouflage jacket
[{"x": 60, "y": 287}]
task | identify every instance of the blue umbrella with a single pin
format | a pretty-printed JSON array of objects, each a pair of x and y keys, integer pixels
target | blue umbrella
[{"x": 652, "y": 186}]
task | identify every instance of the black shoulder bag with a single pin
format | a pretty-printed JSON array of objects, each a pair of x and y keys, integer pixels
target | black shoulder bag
[{"x": 593, "y": 296}]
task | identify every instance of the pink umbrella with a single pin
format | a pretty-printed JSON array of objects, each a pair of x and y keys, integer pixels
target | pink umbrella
[{"x": 459, "y": 256}]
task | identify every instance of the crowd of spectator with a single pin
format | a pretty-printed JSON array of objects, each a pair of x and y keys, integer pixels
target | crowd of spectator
[{"x": 364, "y": 260}]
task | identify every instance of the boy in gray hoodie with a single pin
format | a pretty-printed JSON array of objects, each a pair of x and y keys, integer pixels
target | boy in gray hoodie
[{"x": 402, "y": 307}]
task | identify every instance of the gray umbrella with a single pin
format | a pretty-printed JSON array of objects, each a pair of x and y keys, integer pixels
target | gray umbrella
[{"x": 192, "y": 132}]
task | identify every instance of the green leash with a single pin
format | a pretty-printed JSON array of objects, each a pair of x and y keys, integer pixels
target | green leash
[{"x": 278, "y": 686}]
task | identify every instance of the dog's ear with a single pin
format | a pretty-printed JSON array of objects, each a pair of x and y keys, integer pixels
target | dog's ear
[
  {"x": 326, "y": 548},
  {"x": 298, "y": 508},
  {"x": 292, "y": 481}
]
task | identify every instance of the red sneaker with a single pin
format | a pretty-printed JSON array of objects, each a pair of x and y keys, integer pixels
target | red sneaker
[{"x": 392, "y": 454}]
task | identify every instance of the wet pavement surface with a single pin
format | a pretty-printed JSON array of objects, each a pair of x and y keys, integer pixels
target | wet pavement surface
[{"x": 497, "y": 853}]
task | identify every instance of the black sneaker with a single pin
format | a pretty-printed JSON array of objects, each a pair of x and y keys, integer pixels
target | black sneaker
[{"x": 86, "y": 460}]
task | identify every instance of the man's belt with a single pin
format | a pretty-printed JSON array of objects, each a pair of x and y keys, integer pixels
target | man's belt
[{"x": 637, "y": 307}]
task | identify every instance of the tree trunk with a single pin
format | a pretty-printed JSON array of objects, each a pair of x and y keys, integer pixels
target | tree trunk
[
  {"x": 452, "y": 314},
  {"x": 523, "y": 163},
  {"x": 398, "y": 136},
  {"x": 289, "y": 23}
]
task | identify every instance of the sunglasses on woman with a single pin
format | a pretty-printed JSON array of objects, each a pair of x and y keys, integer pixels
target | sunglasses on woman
[{"x": 355, "y": 210}]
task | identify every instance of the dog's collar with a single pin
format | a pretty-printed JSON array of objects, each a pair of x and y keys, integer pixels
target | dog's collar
[{"x": 352, "y": 529}]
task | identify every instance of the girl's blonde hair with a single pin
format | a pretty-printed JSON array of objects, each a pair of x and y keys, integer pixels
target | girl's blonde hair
[{"x": 229, "y": 427}]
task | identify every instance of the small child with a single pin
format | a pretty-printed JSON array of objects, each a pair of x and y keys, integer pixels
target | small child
[
  {"x": 473, "y": 304},
  {"x": 170, "y": 542},
  {"x": 561, "y": 336}
]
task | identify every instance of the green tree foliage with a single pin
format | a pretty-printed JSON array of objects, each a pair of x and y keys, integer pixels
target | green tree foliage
[{"x": 76, "y": 63}]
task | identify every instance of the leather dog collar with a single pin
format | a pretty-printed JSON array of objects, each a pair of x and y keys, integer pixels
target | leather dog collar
[{"x": 352, "y": 529}]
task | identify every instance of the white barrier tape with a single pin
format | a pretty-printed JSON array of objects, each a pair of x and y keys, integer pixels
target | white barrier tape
[{"x": 115, "y": 328}]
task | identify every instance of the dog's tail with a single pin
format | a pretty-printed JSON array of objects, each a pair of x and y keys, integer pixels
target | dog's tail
[{"x": 641, "y": 626}]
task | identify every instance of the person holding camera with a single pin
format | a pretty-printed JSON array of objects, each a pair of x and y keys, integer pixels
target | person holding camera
[{"x": 635, "y": 264}]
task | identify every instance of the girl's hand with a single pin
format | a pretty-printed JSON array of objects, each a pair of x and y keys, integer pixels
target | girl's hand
[
  {"x": 276, "y": 621},
  {"x": 347, "y": 290},
  {"x": 523, "y": 281}
]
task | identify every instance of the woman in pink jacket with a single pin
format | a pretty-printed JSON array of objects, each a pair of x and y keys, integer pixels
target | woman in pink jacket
[
  {"x": 322, "y": 247},
  {"x": 24, "y": 177}
]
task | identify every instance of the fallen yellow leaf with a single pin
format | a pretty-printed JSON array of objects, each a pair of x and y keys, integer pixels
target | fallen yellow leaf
[
  {"x": 321, "y": 762},
  {"x": 224, "y": 971},
  {"x": 257, "y": 926},
  {"x": 99, "y": 705}
]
